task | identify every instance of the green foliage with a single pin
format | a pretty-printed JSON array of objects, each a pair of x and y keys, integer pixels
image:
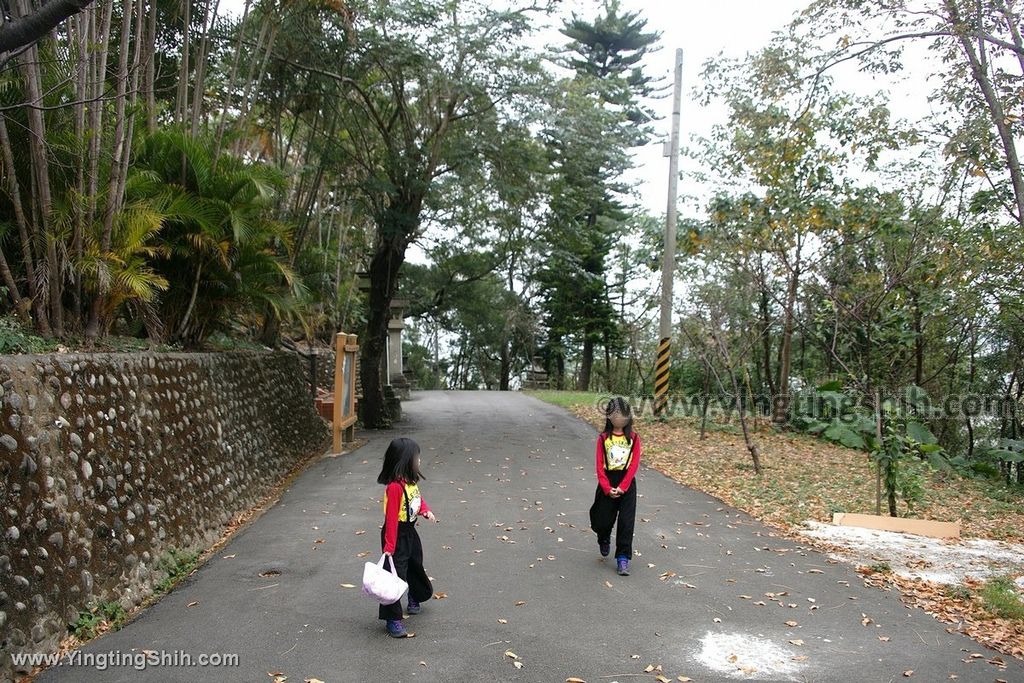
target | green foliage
[
  {"x": 220, "y": 250},
  {"x": 1002, "y": 597},
  {"x": 95, "y": 617},
  {"x": 177, "y": 564},
  {"x": 14, "y": 338}
]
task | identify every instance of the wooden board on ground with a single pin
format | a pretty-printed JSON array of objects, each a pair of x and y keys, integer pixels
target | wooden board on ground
[{"x": 921, "y": 527}]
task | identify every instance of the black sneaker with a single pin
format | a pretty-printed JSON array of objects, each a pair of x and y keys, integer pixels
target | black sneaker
[{"x": 605, "y": 546}]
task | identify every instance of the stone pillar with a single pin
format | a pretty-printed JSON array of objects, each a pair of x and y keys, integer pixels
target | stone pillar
[{"x": 396, "y": 376}]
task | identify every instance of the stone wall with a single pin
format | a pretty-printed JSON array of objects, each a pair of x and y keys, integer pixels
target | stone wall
[{"x": 107, "y": 461}]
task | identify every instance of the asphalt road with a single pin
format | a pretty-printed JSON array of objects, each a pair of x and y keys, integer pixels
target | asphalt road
[{"x": 511, "y": 480}]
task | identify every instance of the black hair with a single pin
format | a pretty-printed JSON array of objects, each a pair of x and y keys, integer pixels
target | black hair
[
  {"x": 400, "y": 462},
  {"x": 619, "y": 405}
]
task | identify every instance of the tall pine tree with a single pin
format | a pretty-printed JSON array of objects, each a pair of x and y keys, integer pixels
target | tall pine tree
[{"x": 596, "y": 118}]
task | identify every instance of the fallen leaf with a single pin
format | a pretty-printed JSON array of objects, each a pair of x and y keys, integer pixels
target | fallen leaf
[
  {"x": 422, "y": 663},
  {"x": 511, "y": 655},
  {"x": 440, "y": 595},
  {"x": 884, "y": 639},
  {"x": 575, "y": 680},
  {"x": 193, "y": 603},
  {"x": 800, "y": 658},
  {"x": 520, "y": 603},
  {"x": 313, "y": 680},
  {"x": 502, "y": 621},
  {"x": 517, "y": 664},
  {"x": 228, "y": 557},
  {"x": 717, "y": 620},
  {"x": 661, "y": 679},
  {"x": 347, "y": 585},
  {"x": 796, "y": 642},
  {"x": 608, "y": 584},
  {"x": 360, "y": 532},
  {"x": 363, "y": 554},
  {"x": 649, "y": 669},
  {"x": 908, "y": 673},
  {"x": 792, "y": 624},
  {"x": 684, "y": 679},
  {"x": 746, "y": 597}
]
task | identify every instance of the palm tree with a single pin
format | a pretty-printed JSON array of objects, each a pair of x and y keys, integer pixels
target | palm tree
[{"x": 222, "y": 254}]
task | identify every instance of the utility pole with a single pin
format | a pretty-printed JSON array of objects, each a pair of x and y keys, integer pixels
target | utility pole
[{"x": 668, "y": 266}]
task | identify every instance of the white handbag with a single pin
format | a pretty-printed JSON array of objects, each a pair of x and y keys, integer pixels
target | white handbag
[{"x": 382, "y": 585}]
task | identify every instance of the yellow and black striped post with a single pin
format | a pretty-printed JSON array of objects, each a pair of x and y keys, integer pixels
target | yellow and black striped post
[
  {"x": 668, "y": 265},
  {"x": 661, "y": 377}
]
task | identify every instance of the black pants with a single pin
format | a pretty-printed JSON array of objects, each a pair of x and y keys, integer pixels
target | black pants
[
  {"x": 605, "y": 510},
  {"x": 408, "y": 557}
]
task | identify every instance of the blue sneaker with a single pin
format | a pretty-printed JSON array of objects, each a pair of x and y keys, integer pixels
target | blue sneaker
[
  {"x": 414, "y": 607},
  {"x": 605, "y": 546},
  {"x": 396, "y": 629},
  {"x": 623, "y": 566}
]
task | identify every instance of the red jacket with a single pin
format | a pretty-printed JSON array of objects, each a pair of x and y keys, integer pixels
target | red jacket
[
  {"x": 395, "y": 494},
  {"x": 631, "y": 468}
]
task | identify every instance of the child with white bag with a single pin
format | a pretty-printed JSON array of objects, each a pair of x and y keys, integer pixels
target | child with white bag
[{"x": 399, "y": 540}]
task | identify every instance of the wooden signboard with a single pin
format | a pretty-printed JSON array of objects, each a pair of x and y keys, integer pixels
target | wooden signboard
[{"x": 921, "y": 527}]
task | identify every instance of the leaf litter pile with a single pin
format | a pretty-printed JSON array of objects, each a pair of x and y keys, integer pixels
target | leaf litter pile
[{"x": 806, "y": 479}]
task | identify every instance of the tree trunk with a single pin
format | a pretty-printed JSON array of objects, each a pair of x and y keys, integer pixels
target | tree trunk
[
  {"x": 506, "y": 367},
  {"x": 80, "y": 39},
  {"x": 199, "y": 88},
  {"x": 766, "y": 340},
  {"x": 20, "y": 305},
  {"x": 706, "y": 400},
  {"x": 232, "y": 84},
  {"x": 254, "y": 83},
  {"x": 970, "y": 388},
  {"x": 41, "y": 183},
  {"x": 34, "y": 24},
  {"x": 781, "y": 408},
  {"x": 383, "y": 274},
  {"x": 918, "y": 342},
  {"x": 150, "y": 82},
  {"x": 41, "y": 318},
  {"x": 101, "y": 36},
  {"x": 893, "y": 512},
  {"x": 185, "y": 319},
  {"x": 978, "y": 61},
  {"x": 117, "y": 169},
  {"x": 755, "y": 453},
  {"x": 587, "y": 361},
  {"x": 181, "y": 105}
]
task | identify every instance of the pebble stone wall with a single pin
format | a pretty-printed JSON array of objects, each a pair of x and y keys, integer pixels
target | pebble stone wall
[{"x": 108, "y": 461}]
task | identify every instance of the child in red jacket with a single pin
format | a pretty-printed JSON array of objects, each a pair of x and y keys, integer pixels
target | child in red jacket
[
  {"x": 398, "y": 537},
  {"x": 617, "y": 460}
]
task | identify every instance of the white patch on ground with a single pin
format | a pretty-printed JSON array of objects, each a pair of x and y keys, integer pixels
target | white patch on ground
[
  {"x": 931, "y": 559},
  {"x": 740, "y": 655}
]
